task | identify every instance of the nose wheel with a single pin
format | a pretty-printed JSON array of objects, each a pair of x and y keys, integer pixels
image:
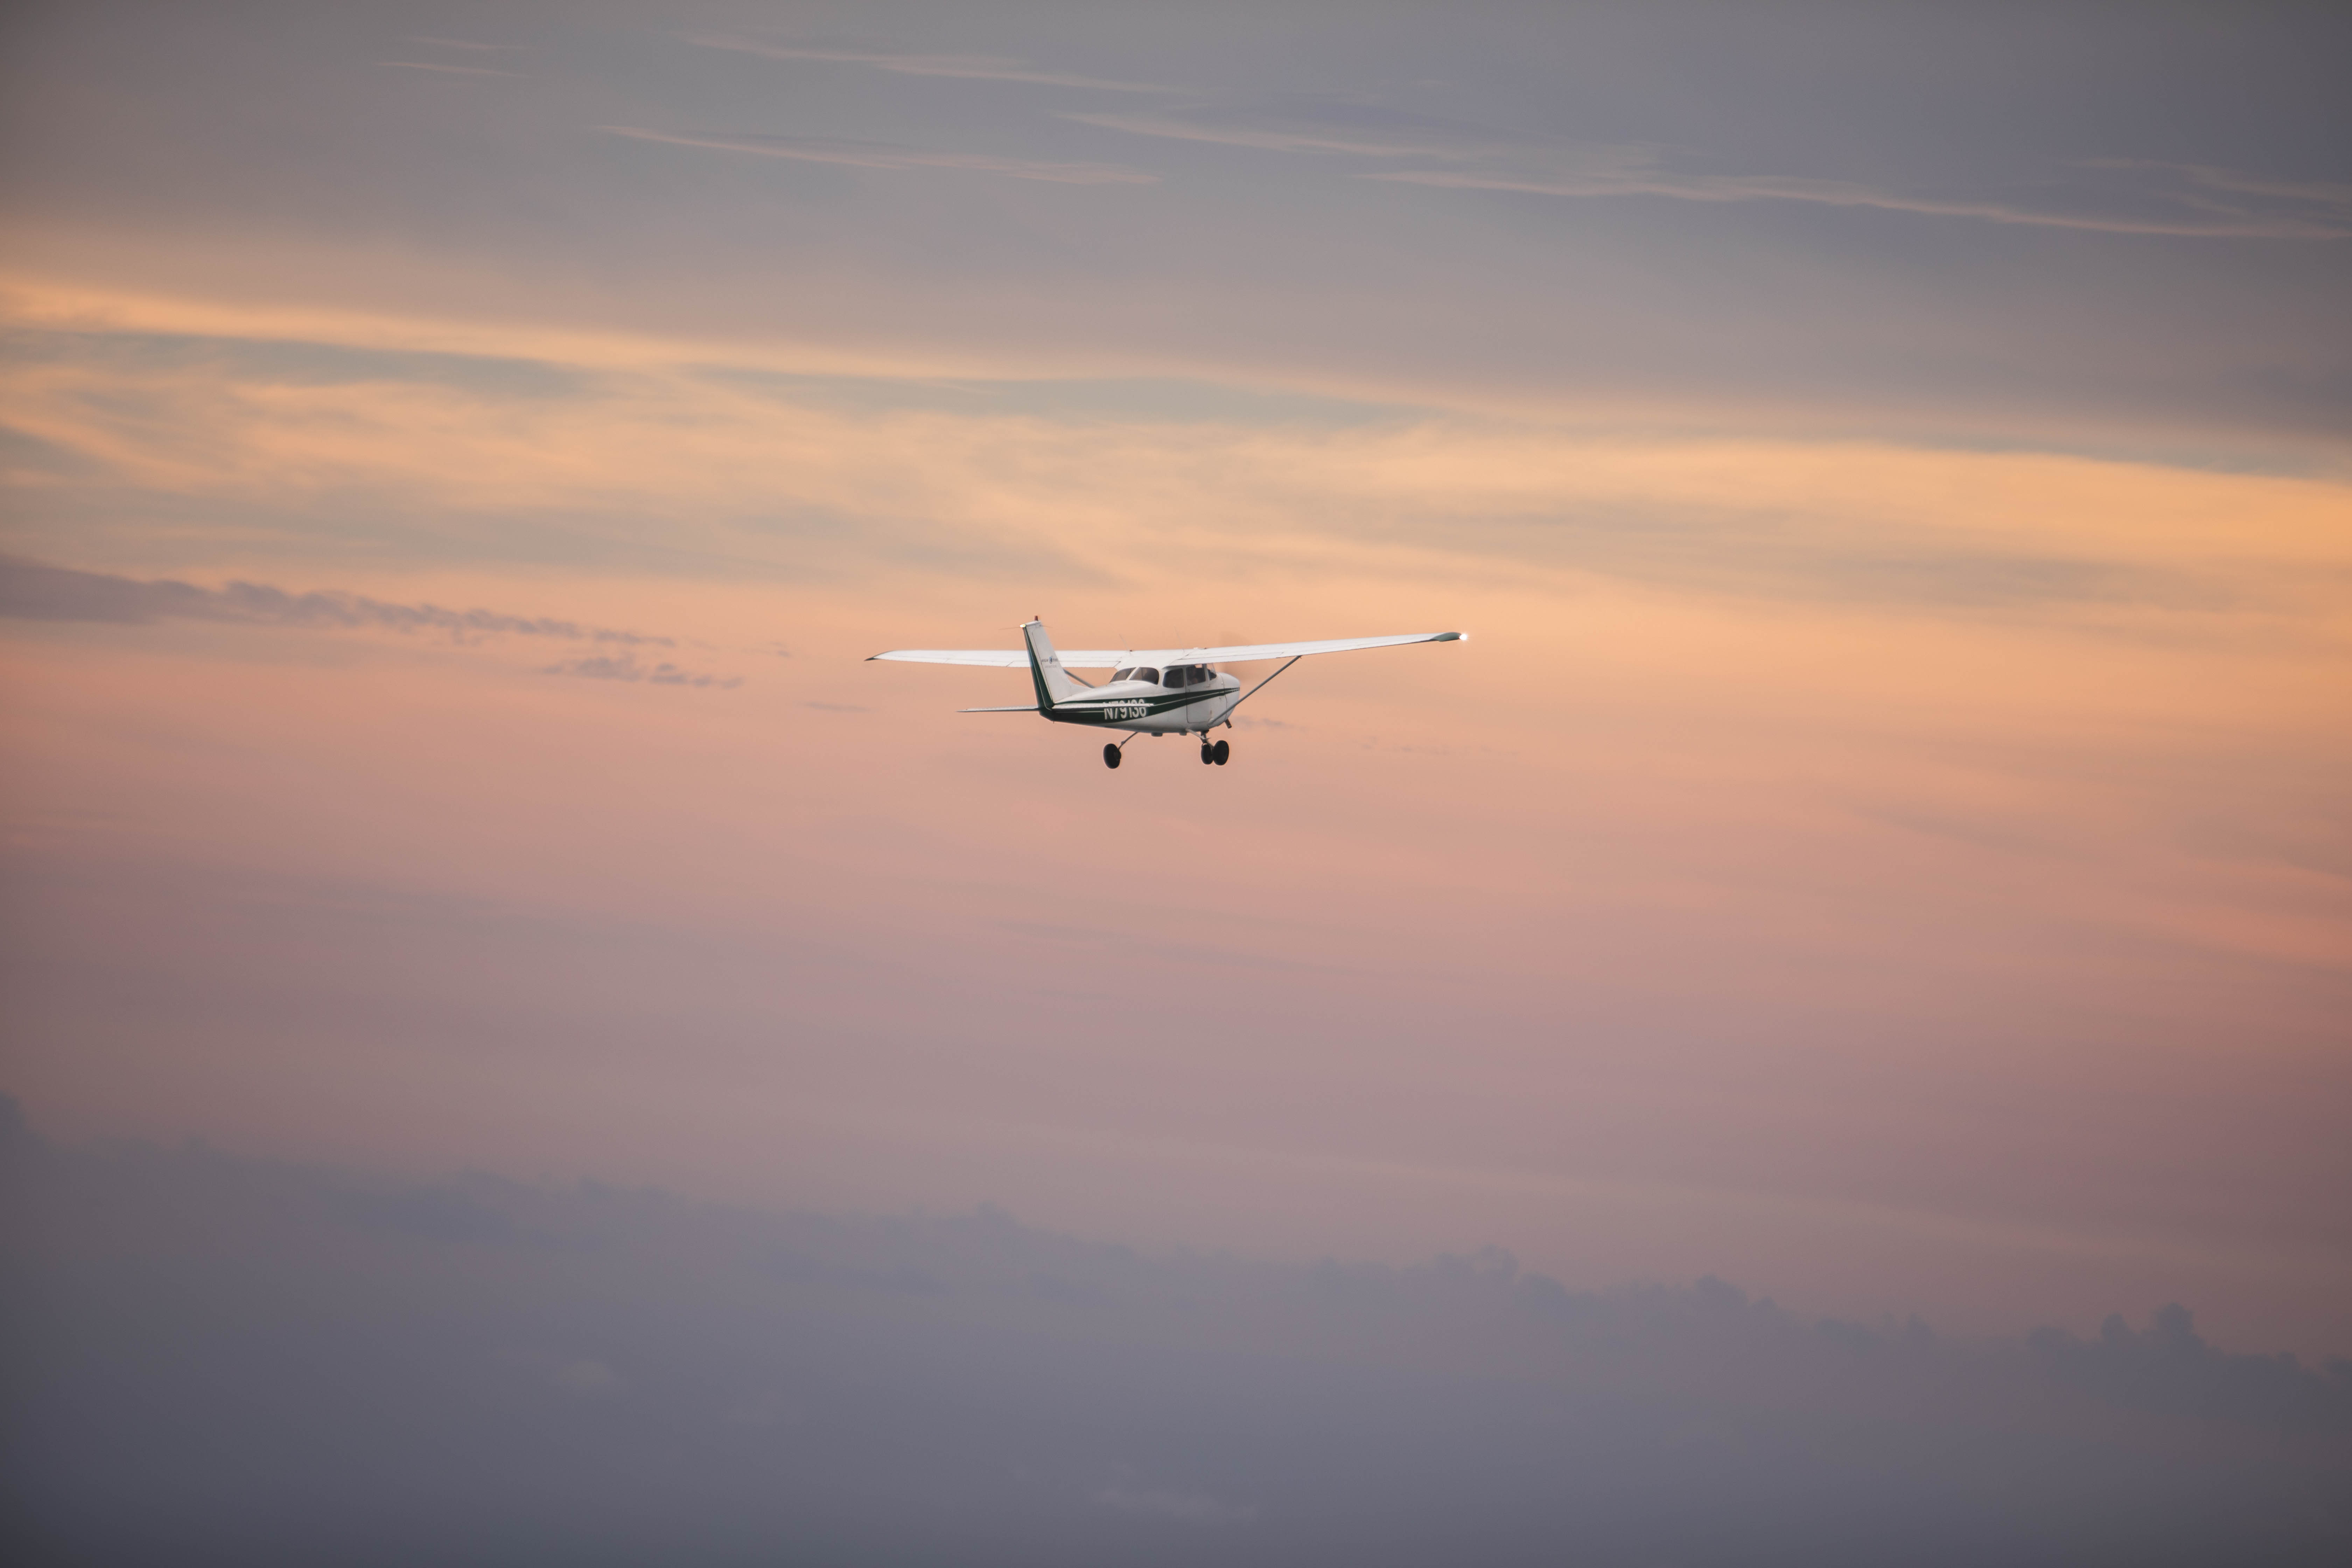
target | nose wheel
[{"x": 1216, "y": 753}]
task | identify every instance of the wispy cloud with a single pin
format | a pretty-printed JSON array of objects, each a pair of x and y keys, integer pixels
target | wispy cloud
[
  {"x": 444, "y": 70},
  {"x": 1653, "y": 181},
  {"x": 882, "y": 155},
  {"x": 1362, "y": 134},
  {"x": 2151, "y": 198},
  {"x": 465, "y": 48},
  {"x": 2320, "y": 191},
  {"x": 628, "y": 667},
  {"x": 967, "y": 67},
  {"x": 34, "y": 590},
  {"x": 467, "y": 44}
]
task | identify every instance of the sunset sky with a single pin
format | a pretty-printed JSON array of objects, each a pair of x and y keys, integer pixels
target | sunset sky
[{"x": 1886, "y": 841}]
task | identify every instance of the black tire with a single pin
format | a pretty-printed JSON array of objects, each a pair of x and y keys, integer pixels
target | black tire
[
  {"x": 1224, "y": 749},
  {"x": 1208, "y": 752},
  {"x": 1110, "y": 755}
]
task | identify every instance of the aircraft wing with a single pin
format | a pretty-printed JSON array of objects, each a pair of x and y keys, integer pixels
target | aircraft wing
[
  {"x": 1101, "y": 658},
  {"x": 1242, "y": 654},
  {"x": 1003, "y": 658}
]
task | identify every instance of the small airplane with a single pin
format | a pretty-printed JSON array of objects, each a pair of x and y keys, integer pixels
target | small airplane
[{"x": 1174, "y": 691}]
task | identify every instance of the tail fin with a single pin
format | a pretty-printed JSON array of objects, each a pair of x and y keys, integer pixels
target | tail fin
[{"x": 1054, "y": 684}]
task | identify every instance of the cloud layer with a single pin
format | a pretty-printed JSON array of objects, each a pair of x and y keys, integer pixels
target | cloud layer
[
  {"x": 257, "y": 1357},
  {"x": 1809, "y": 219}
]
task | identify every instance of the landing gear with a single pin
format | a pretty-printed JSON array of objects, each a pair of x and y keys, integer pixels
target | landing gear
[
  {"x": 1110, "y": 756},
  {"x": 1208, "y": 753},
  {"x": 1221, "y": 750}
]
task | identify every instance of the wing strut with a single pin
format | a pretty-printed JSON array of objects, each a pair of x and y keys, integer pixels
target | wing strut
[{"x": 1262, "y": 685}]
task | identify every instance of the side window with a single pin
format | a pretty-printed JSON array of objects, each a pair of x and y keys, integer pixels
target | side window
[
  {"x": 1145, "y": 672},
  {"x": 1122, "y": 674}
]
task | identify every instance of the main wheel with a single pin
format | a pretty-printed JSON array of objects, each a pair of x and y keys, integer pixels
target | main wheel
[
  {"x": 1223, "y": 749},
  {"x": 1208, "y": 752},
  {"x": 1110, "y": 756}
]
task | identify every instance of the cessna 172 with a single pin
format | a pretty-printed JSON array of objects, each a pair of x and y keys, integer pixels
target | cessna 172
[{"x": 1176, "y": 691}]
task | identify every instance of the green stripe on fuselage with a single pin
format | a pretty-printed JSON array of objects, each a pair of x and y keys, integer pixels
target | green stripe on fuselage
[{"x": 1084, "y": 710}]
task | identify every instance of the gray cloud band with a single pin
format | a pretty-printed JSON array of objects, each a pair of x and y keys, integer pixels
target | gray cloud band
[
  {"x": 35, "y": 591},
  {"x": 626, "y": 666}
]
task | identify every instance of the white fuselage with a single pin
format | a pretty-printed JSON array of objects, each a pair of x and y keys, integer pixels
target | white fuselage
[{"x": 1178, "y": 700}]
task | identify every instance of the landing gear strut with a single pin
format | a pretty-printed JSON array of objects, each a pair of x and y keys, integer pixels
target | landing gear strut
[{"x": 1110, "y": 756}]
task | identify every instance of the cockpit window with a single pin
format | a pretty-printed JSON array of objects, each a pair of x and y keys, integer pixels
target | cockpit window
[
  {"x": 1144, "y": 672},
  {"x": 1122, "y": 674}
]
